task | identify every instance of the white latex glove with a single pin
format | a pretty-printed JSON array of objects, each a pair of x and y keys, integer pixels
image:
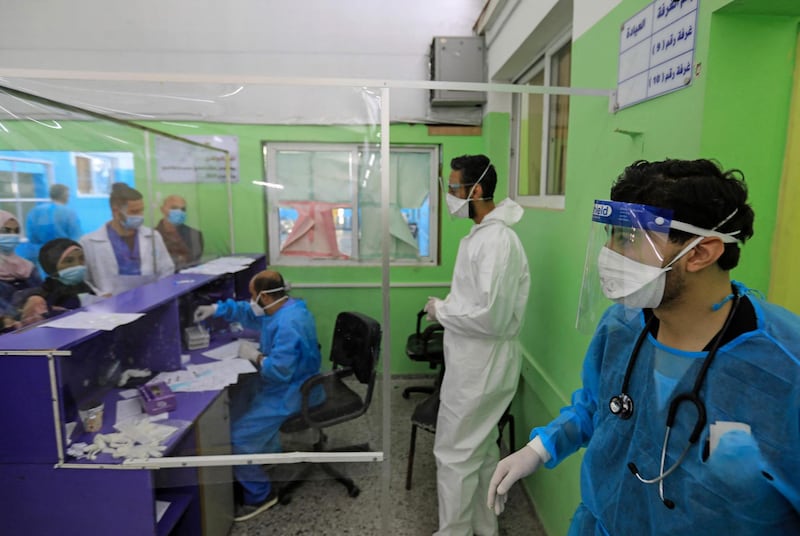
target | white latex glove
[
  {"x": 203, "y": 312},
  {"x": 249, "y": 350},
  {"x": 430, "y": 308},
  {"x": 512, "y": 468}
]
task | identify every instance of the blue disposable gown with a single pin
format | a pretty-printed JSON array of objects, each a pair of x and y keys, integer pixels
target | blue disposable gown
[
  {"x": 46, "y": 222},
  {"x": 289, "y": 344},
  {"x": 749, "y": 485}
]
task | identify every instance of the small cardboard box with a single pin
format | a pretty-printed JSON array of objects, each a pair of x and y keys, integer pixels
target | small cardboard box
[{"x": 156, "y": 398}]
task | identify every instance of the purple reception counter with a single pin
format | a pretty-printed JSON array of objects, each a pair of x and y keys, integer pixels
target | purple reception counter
[{"x": 46, "y": 373}]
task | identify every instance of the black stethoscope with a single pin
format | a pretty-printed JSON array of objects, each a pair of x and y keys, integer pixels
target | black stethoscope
[{"x": 621, "y": 405}]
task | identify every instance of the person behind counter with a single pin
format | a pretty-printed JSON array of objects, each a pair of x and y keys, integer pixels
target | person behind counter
[
  {"x": 287, "y": 355},
  {"x": 63, "y": 261},
  {"x": 16, "y": 273},
  {"x": 184, "y": 243},
  {"x": 123, "y": 254},
  {"x": 48, "y": 221}
]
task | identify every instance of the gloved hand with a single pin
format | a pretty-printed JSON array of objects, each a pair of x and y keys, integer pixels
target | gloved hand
[
  {"x": 512, "y": 468},
  {"x": 430, "y": 308},
  {"x": 203, "y": 312},
  {"x": 249, "y": 350}
]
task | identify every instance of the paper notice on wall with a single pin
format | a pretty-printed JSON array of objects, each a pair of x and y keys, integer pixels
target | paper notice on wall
[
  {"x": 183, "y": 162},
  {"x": 656, "y": 51}
]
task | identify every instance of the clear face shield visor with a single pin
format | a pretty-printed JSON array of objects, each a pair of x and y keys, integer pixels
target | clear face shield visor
[{"x": 628, "y": 257}]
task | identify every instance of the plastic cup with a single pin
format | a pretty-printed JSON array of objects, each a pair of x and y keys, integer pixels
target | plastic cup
[{"x": 91, "y": 415}]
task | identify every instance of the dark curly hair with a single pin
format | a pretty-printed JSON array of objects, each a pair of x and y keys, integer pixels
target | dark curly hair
[
  {"x": 471, "y": 168},
  {"x": 698, "y": 192}
]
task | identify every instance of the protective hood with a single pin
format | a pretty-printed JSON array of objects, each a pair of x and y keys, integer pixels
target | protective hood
[{"x": 506, "y": 211}]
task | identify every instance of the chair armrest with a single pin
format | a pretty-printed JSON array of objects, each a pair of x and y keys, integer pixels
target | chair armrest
[
  {"x": 319, "y": 379},
  {"x": 420, "y": 314},
  {"x": 428, "y": 334}
]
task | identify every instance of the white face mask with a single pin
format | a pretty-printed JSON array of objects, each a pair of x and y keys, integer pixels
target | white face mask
[
  {"x": 259, "y": 310},
  {"x": 458, "y": 207},
  {"x": 633, "y": 283}
]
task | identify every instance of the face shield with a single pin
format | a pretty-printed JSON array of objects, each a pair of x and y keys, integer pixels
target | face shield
[{"x": 628, "y": 256}]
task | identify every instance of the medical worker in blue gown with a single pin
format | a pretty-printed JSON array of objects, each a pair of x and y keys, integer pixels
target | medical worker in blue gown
[
  {"x": 286, "y": 356},
  {"x": 696, "y": 431},
  {"x": 48, "y": 221},
  {"x": 482, "y": 317}
]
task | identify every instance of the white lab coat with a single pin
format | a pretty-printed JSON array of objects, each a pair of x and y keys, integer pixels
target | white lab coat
[
  {"x": 102, "y": 270},
  {"x": 482, "y": 317}
]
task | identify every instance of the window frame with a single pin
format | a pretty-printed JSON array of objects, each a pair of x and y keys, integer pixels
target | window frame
[
  {"x": 543, "y": 63},
  {"x": 21, "y": 202},
  {"x": 110, "y": 157},
  {"x": 272, "y": 217}
]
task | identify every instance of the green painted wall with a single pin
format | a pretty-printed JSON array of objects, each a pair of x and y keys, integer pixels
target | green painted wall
[
  {"x": 735, "y": 111},
  {"x": 208, "y": 210},
  {"x": 249, "y": 209}
]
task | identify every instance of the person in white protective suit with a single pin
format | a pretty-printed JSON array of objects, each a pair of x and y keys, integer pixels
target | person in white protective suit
[{"x": 482, "y": 316}]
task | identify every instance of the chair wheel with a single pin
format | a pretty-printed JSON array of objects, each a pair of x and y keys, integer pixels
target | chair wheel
[
  {"x": 354, "y": 491},
  {"x": 406, "y": 394}
]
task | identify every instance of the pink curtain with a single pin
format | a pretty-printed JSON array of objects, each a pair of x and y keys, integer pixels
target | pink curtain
[{"x": 314, "y": 233}]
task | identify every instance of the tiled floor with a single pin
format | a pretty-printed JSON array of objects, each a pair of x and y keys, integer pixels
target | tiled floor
[{"x": 323, "y": 507}]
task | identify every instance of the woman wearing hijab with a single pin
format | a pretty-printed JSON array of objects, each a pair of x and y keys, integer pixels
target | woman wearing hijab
[
  {"x": 16, "y": 273},
  {"x": 63, "y": 261}
]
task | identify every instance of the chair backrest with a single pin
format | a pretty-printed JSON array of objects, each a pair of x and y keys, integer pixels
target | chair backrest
[{"x": 356, "y": 344}]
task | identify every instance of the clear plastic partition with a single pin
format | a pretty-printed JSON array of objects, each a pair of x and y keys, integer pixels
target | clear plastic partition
[
  {"x": 179, "y": 398},
  {"x": 202, "y": 396},
  {"x": 141, "y": 203}
]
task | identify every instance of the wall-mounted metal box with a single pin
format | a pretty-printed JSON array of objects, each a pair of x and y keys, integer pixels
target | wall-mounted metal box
[{"x": 458, "y": 59}]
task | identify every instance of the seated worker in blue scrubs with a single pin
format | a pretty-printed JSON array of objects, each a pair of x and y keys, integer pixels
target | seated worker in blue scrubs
[{"x": 287, "y": 355}]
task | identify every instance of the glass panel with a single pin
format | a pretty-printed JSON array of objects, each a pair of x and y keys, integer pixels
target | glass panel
[{"x": 559, "y": 120}]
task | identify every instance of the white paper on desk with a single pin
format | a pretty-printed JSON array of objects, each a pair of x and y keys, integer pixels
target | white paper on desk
[
  {"x": 173, "y": 378},
  {"x": 223, "y": 265},
  {"x": 216, "y": 375},
  {"x": 161, "y": 507},
  {"x": 70, "y": 427},
  {"x": 87, "y": 320},
  {"x": 226, "y": 351},
  {"x": 128, "y": 393},
  {"x": 238, "y": 365},
  {"x": 128, "y": 409}
]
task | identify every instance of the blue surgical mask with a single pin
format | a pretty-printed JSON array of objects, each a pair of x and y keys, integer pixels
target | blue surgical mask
[
  {"x": 132, "y": 222},
  {"x": 8, "y": 243},
  {"x": 73, "y": 275},
  {"x": 176, "y": 216}
]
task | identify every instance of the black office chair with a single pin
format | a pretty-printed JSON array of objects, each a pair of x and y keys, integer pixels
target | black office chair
[
  {"x": 426, "y": 346},
  {"x": 424, "y": 417},
  {"x": 354, "y": 352}
]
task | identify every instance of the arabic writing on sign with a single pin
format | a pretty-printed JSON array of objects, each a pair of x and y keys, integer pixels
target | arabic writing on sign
[
  {"x": 666, "y": 7},
  {"x": 656, "y": 51}
]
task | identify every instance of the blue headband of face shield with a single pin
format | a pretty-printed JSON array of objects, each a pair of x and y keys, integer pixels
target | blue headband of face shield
[{"x": 617, "y": 214}]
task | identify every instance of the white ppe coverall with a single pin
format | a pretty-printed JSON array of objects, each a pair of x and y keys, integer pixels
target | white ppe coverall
[{"x": 482, "y": 317}]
